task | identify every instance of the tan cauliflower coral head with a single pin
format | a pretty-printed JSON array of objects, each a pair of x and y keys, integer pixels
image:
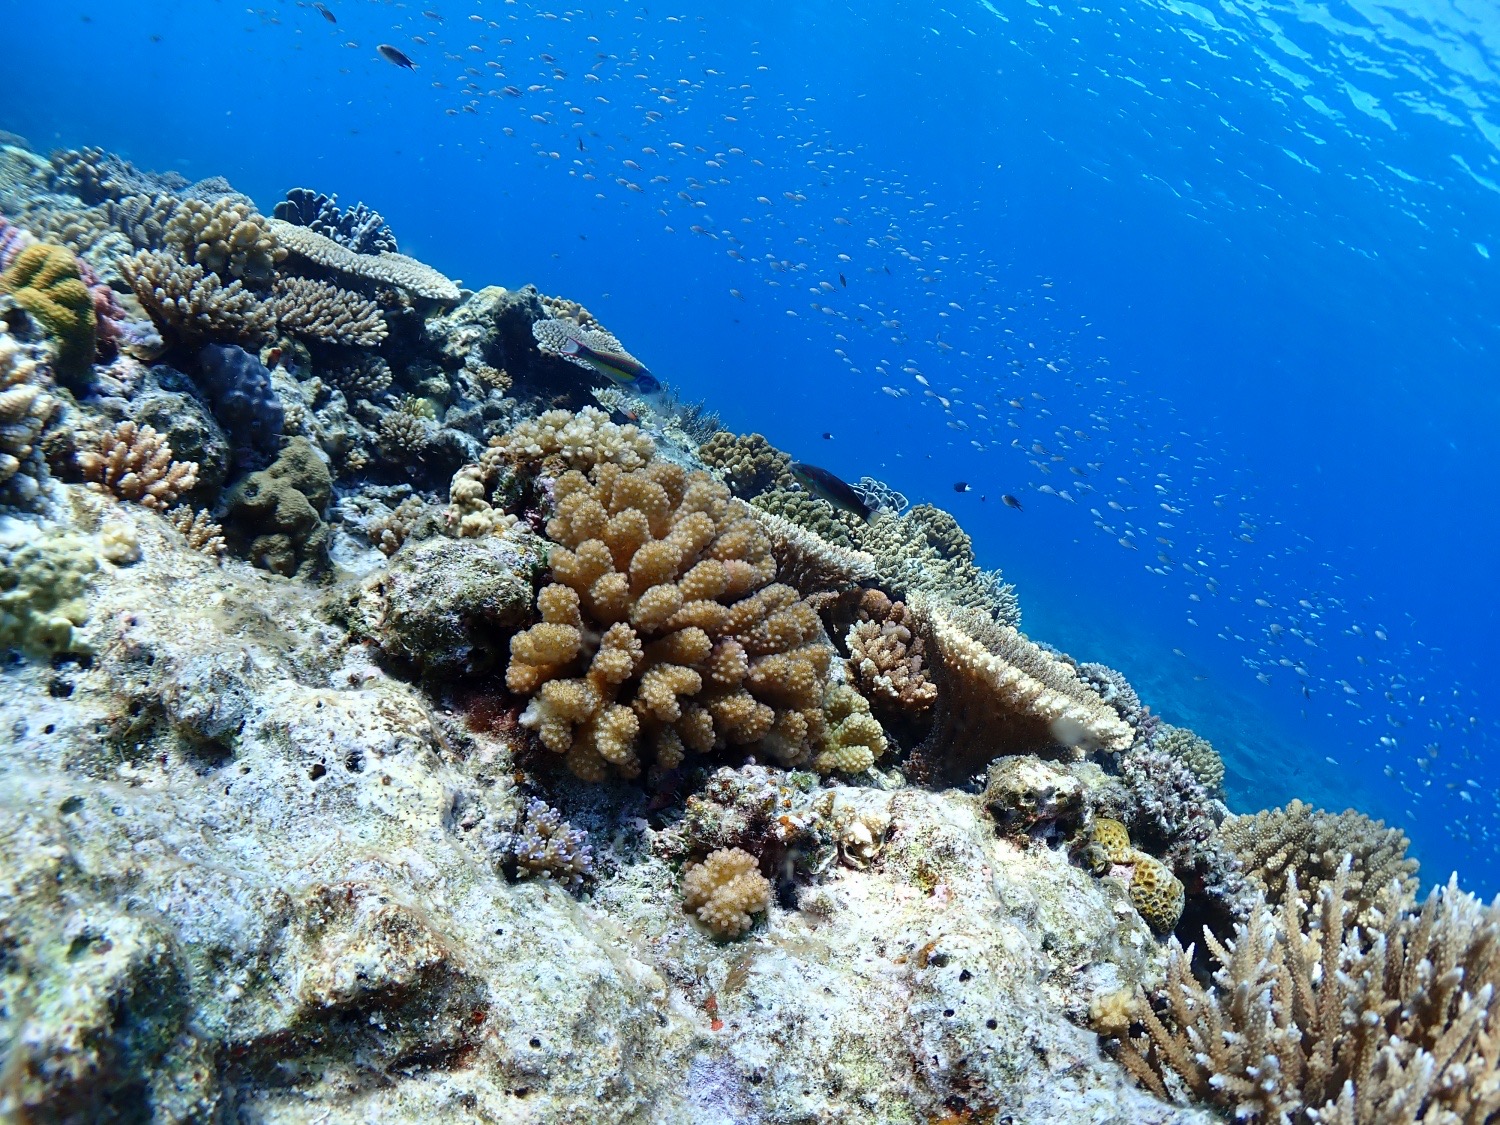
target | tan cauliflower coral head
[{"x": 663, "y": 629}]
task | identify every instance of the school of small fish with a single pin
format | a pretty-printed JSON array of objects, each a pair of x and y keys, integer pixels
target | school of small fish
[{"x": 644, "y": 106}]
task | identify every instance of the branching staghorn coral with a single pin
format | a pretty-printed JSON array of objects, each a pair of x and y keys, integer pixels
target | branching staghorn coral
[
  {"x": 724, "y": 890},
  {"x": 1312, "y": 843},
  {"x": 135, "y": 463},
  {"x": 316, "y": 310},
  {"x": 200, "y": 530},
  {"x": 191, "y": 305},
  {"x": 696, "y": 647},
  {"x": 27, "y": 409},
  {"x": 226, "y": 236},
  {"x": 44, "y": 280},
  {"x": 1310, "y": 1019},
  {"x": 363, "y": 377},
  {"x": 998, "y": 693},
  {"x": 384, "y": 268},
  {"x": 748, "y": 463}
]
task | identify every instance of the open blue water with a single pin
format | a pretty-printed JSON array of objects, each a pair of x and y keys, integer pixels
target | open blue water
[{"x": 1230, "y": 262}]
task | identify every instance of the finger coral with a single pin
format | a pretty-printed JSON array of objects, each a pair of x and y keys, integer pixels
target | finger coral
[
  {"x": 663, "y": 627},
  {"x": 999, "y": 693},
  {"x": 384, "y": 268},
  {"x": 135, "y": 463},
  {"x": 189, "y": 304},
  {"x": 226, "y": 236},
  {"x": 853, "y": 739},
  {"x": 1309, "y": 1018},
  {"x": 724, "y": 890},
  {"x": 44, "y": 280},
  {"x": 27, "y": 408},
  {"x": 200, "y": 530},
  {"x": 1313, "y": 843},
  {"x": 319, "y": 311}
]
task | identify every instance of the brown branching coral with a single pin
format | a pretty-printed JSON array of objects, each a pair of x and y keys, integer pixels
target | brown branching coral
[
  {"x": 1309, "y": 1018},
  {"x": 696, "y": 647},
  {"x": 366, "y": 377},
  {"x": 809, "y": 562},
  {"x": 200, "y": 530},
  {"x": 27, "y": 409},
  {"x": 226, "y": 236},
  {"x": 999, "y": 693},
  {"x": 316, "y": 310},
  {"x": 886, "y": 659},
  {"x": 385, "y": 268},
  {"x": 1313, "y": 843},
  {"x": 724, "y": 890},
  {"x": 390, "y": 531},
  {"x": 135, "y": 463},
  {"x": 748, "y": 463},
  {"x": 192, "y": 305}
]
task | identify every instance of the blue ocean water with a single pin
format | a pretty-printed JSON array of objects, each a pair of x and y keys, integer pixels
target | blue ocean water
[{"x": 1207, "y": 288}]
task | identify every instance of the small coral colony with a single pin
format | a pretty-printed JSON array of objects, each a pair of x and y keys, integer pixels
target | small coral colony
[{"x": 290, "y": 393}]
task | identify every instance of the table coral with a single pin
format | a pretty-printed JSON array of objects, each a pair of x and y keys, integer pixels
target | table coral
[
  {"x": 696, "y": 647},
  {"x": 724, "y": 890},
  {"x": 383, "y": 268}
]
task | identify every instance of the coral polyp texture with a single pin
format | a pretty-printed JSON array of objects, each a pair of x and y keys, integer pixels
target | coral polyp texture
[
  {"x": 725, "y": 890},
  {"x": 382, "y": 267},
  {"x": 697, "y": 647},
  {"x": 225, "y": 236},
  {"x": 190, "y": 304},
  {"x": 316, "y": 310},
  {"x": 44, "y": 280},
  {"x": 560, "y": 439}
]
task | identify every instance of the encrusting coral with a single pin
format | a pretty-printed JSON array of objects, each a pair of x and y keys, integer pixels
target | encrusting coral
[
  {"x": 1311, "y": 1018},
  {"x": 135, "y": 463},
  {"x": 27, "y": 408},
  {"x": 44, "y": 280},
  {"x": 274, "y": 517},
  {"x": 663, "y": 626},
  {"x": 1154, "y": 891},
  {"x": 1314, "y": 844},
  {"x": 725, "y": 890}
]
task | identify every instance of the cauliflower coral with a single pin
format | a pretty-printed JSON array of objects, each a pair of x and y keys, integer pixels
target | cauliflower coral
[{"x": 725, "y": 889}]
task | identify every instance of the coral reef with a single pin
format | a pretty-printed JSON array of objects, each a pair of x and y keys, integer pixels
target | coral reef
[
  {"x": 817, "y": 515},
  {"x": 925, "y": 551},
  {"x": 998, "y": 693},
  {"x": 135, "y": 463},
  {"x": 382, "y": 268},
  {"x": 360, "y": 228},
  {"x": 44, "y": 280},
  {"x": 853, "y": 739},
  {"x": 810, "y": 563},
  {"x": 559, "y": 440},
  {"x": 1309, "y": 1019},
  {"x": 694, "y": 635},
  {"x": 724, "y": 890},
  {"x": 1154, "y": 891},
  {"x": 42, "y": 583},
  {"x": 27, "y": 409},
  {"x": 200, "y": 530},
  {"x": 1379, "y": 882},
  {"x": 1035, "y": 799},
  {"x": 886, "y": 657},
  {"x": 274, "y": 517},
  {"x": 1115, "y": 690}
]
